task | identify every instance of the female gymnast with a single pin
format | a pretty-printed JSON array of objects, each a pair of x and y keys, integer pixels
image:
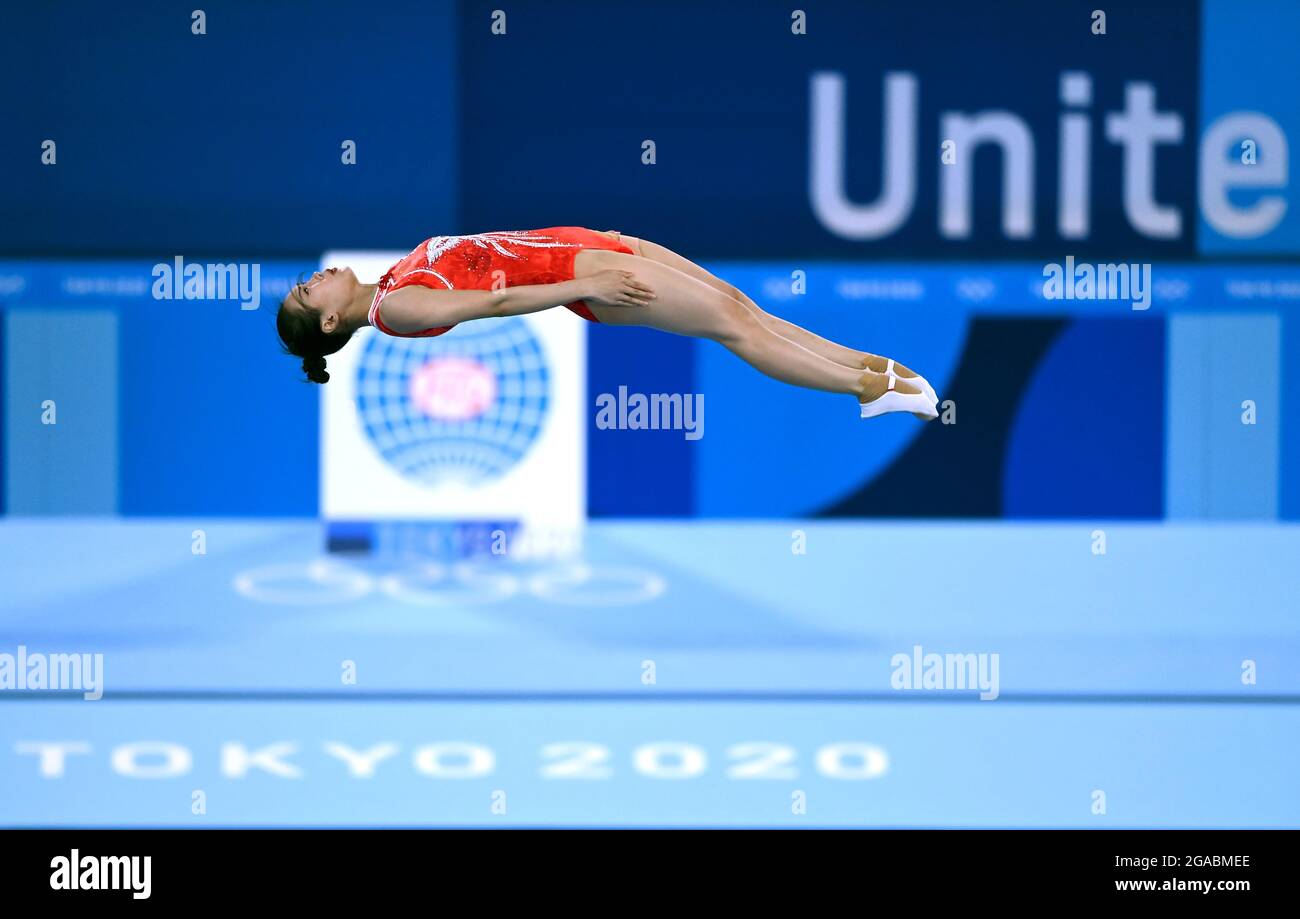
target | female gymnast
[{"x": 603, "y": 277}]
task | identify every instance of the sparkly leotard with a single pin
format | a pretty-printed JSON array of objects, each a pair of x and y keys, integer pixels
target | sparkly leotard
[{"x": 485, "y": 260}]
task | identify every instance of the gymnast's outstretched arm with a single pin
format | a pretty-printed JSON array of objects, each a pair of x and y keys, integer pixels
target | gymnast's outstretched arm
[{"x": 414, "y": 308}]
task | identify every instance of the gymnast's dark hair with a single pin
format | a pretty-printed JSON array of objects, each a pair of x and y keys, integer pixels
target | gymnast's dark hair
[{"x": 301, "y": 336}]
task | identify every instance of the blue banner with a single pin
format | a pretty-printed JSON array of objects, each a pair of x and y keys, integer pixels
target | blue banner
[{"x": 880, "y": 130}]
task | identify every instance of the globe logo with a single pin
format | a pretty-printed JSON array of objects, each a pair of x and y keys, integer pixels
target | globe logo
[{"x": 462, "y": 407}]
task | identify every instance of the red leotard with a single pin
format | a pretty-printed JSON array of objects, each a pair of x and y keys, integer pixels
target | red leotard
[{"x": 472, "y": 262}]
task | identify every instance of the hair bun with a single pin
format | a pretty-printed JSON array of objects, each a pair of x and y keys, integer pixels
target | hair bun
[{"x": 314, "y": 367}]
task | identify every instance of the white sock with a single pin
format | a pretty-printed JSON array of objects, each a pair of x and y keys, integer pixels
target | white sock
[{"x": 891, "y": 400}]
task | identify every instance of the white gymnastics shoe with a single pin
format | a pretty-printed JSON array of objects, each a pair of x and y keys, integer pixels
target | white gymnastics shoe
[
  {"x": 891, "y": 400},
  {"x": 917, "y": 381}
]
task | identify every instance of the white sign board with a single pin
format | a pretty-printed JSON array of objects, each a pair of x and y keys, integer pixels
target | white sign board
[{"x": 484, "y": 423}]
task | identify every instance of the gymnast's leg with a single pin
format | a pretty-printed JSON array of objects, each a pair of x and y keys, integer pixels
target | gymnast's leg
[
  {"x": 686, "y": 305},
  {"x": 840, "y": 354}
]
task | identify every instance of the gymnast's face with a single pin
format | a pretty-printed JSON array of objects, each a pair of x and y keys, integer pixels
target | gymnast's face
[{"x": 326, "y": 294}]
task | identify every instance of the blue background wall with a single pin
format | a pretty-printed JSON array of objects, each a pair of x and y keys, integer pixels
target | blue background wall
[{"x": 229, "y": 141}]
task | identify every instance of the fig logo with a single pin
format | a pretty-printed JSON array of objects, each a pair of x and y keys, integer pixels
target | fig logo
[{"x": 453, "y": 388}]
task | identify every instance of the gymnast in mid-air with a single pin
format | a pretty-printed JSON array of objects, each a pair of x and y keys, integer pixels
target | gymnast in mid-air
[{"x": 604, "y": 277}]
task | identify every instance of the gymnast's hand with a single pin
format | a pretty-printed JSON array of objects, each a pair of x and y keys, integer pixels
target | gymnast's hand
[{"x": 614, "y": 287}]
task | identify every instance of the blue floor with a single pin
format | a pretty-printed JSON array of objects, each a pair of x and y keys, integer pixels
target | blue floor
[{"x": 683, "y": 674}]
